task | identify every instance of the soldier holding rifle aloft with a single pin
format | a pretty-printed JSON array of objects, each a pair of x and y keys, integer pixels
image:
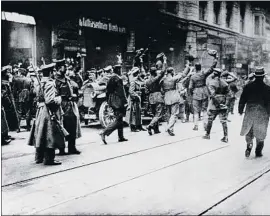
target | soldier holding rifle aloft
[
  {"x": 71, "y": 117},
  {"x": 47, "y": 133}
]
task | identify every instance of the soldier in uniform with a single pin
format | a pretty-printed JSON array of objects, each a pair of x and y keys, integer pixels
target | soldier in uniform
[
  {"x": 156, "y": 100},
  {"x": 172, "y": 96},
  {"x": 219, "y": 93},
  {"x": 21, "y": 89},
  {"x": 71, "y": 117},
  {"x": 77, "y": 77},
  {"x": 256, "y": 98},
  {"x": 199, "y": 91},
  {"x": 45, "y": 134},
  {"x": 8, "y": 101},
  {"x": 134, "y": 114},
  {"x": 117, "y": 100}
]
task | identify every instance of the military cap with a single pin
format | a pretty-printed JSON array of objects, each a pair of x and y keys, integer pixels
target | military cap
[
  {"x": 160, "y": 55},
  {"x": 45, "y": 68},
  {"x": 134, "y": 70},
  {"x": 170, "y": 70},
  {"x": 259, "y": 72},
  {"x": 117, "y": 66},
  {"x": 32, "y": 74},
  {"x": 108, "y": 68},
  {"x": 5, "y": 68},
  {"x": 212, "y": 52},
  {"x": 217, "y": 70},
  {"x": 60, "y": 62}
]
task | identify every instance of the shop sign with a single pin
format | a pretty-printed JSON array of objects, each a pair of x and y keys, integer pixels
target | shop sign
[
  {"x": 101, "y": 25},
  {"x": 201, "y": 34},
  {"x": 71, "y": 48},
  {"x": 214, "y": 41}
]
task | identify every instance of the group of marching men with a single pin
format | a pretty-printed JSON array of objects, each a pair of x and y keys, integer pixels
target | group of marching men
[
  {"x": 209, "y": 93},
  {"x": 205, "y": 93}
]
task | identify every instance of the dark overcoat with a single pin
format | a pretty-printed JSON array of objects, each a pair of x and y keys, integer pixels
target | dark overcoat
[{"x": 255, "y": 99}]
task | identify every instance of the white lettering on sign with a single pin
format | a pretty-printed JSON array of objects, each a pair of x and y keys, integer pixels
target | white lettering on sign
[{"x": 100, "y": 25}]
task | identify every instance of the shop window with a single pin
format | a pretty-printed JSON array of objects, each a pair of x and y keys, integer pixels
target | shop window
[
  {"x": 242, "y": 16},
  {"x": 229, "y": 7},
  {"x": 257, "y": 25},
  {"x": 217, "y": 5},
  {"x": 171, "y": 6},
  {"x": 202, "y": 10}
]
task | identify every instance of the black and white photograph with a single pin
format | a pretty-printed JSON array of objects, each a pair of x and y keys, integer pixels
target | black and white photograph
[{"x": 135, "y": 107}]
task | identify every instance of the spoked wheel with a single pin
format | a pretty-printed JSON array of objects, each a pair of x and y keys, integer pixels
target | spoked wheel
[{"x": 106, "y": 114}]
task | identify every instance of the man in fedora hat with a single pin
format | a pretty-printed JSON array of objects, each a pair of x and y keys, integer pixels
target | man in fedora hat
[
  {"x": 69, "y": 95},
  {"x": 218, "y": 104},
  {"x": 117, "y": 100},
  {"x": 255, "y": 98},
  {"x": 44, "y": 134}
]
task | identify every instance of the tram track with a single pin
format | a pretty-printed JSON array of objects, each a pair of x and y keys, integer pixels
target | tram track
[
  {"x": 101, "y": 161},
  {"x": 130, "y": 179}
]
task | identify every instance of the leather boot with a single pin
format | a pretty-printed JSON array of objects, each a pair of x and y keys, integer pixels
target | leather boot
[
  {"x": 62, "y": 152},
  {"x": 225, "y": 131},
  {"x": 248, "y": 150},
  {"x": 72, "y": 146},
  {"x": 208, "y": 130},
  {"x": 149, "y": 130},
  {"x": 156, "y": 128},
  {"x": 259, "y": 148}
]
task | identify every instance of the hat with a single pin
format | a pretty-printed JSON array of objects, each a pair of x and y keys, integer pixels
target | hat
[
  {"x": 60, "y": 62},
  {"x": 31, "y": 69},
  {"x": 217, "y": 70},
  {"x": 32, "y": 74},
  {"x": 259, "y": 72},
  {"x": 212, "y": 52},
  {"x": 134, "y": 70},
  {"x": 160, "y": 55},
  {"x": 170, "y": 70},
  {"x": 22, "y": 70},
  {"x": 5, "y": 68},
  {"x": 47, "y": 67},
  {"x": 117, "y": 66},
  {"x": 108, "y": 68}
]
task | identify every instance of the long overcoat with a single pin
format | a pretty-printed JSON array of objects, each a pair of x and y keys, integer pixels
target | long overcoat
[
  {"x": 4, "y": 124},
  {"x": 71, "y": 118},
  {"x": 44, "y": 132},
  {"x": 256, "y": 98}
]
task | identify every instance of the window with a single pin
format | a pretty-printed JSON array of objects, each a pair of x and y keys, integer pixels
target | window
[
  {"x": 217, "y": 5},
  {"x": 257, "y": 25},
  {"x": 202, "y": 10},
  {"x": 171, "y": 6},
  {"x": 229, "y": 6},
  {"x": 242, "y": 16}
]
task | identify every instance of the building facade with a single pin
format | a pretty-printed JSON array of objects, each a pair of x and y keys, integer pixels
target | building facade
[{"x": 239, "y": 31}]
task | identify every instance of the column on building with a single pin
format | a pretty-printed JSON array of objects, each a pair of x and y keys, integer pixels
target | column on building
[
  {"x": 210, "y": 12},
  {"x": 223, "y": 14},
  {"x": 249, "y": 23},
  {"x": 192, "y": 10},
  {"x": 235, "y": 17}
]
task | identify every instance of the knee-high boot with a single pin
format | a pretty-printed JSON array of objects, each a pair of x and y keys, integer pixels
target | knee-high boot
[
  {"x": 259, "y": 148},
  {"x": 225, "y": 131}
]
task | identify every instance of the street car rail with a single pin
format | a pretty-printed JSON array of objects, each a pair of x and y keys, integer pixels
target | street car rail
[{"x": 100, "y": 161}]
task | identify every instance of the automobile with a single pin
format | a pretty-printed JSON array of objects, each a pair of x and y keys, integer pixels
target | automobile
[{"x": 94, "y": 107}]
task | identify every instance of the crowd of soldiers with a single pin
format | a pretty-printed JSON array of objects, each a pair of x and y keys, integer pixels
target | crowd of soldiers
[{"x": 48, "y": 97}]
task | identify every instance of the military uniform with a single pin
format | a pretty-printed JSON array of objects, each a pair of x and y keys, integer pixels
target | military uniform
[
  {"x": 172, "y": 97},
  {"x": 117, "y": 100},
  {"x": 156, "y": 100},
  {"x": 9, "y": 105},
  {"x": 256, "y": 99},
  {"x": 45, "y": 134},
  {"x": 199, "y": 91},
  {"x": 71, "y": 119},
  {"x": 218, "y": 104},
  {"x": 21, "y": 89}
]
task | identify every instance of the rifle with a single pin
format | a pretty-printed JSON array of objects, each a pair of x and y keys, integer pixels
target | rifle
[{"x": 53, "y": 116}]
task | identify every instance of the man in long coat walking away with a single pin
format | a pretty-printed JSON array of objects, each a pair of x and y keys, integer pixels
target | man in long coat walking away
[
  {"x": 256, "y": 98},
  {"x": 117, "y": 100},
  {"x": 45, "y": 134}
]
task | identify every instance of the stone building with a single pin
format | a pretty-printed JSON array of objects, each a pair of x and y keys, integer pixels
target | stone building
[{"x": 240, "y": 31}]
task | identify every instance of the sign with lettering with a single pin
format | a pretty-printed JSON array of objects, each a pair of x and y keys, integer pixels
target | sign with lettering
[{"x": 101, "y": 25}]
